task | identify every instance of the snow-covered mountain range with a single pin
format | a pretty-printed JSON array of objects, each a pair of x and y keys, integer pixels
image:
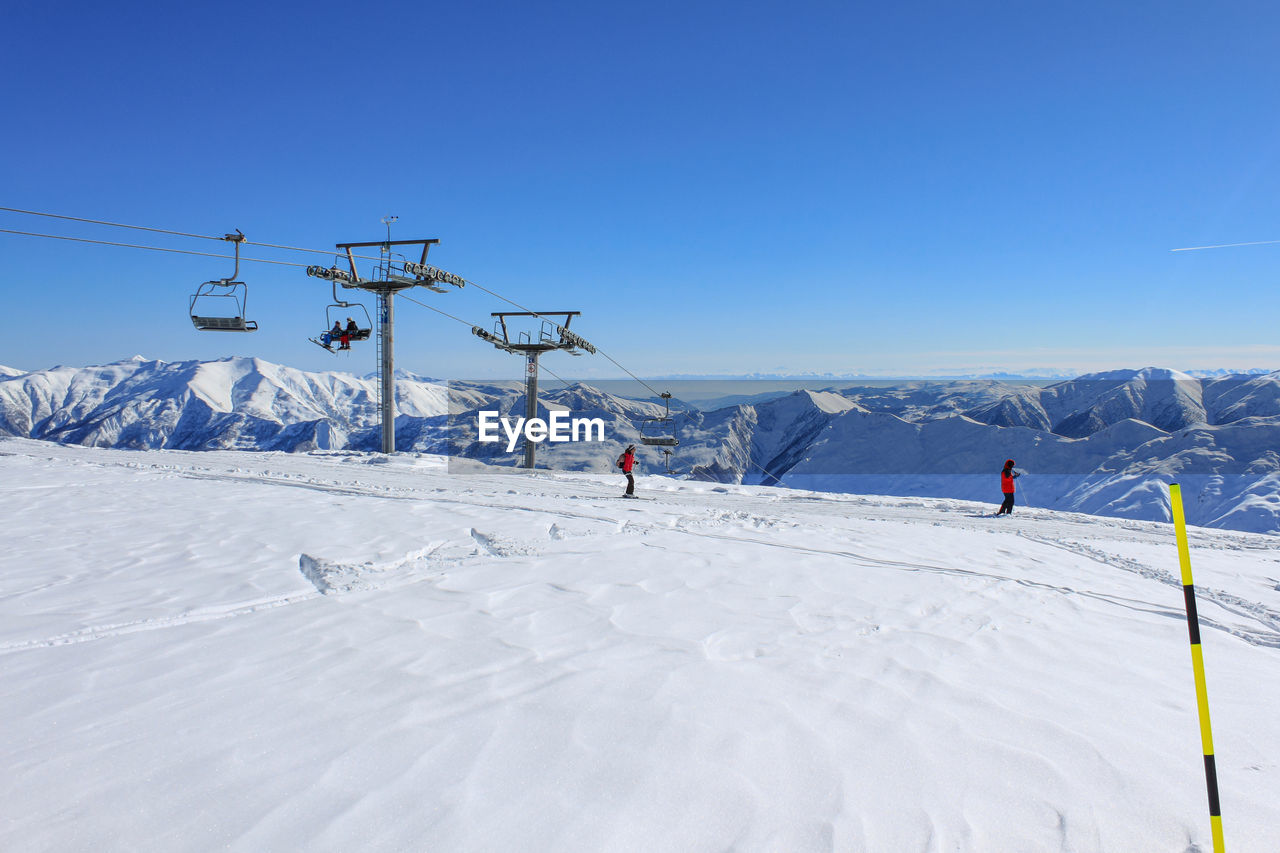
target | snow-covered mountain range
[{"x": 1105, "y": 443}]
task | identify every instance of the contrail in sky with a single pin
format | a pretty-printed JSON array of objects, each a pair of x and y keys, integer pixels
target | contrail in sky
[{"x": 1224, "y": 245}]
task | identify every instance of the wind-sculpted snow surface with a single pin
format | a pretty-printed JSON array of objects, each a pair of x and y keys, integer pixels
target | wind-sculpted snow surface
[{"x": 340, "y": 651}]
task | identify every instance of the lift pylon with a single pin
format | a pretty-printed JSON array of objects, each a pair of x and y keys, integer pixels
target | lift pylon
[
  {"x": 551, "y": 336},
  {"x": 392, "y": 274}
]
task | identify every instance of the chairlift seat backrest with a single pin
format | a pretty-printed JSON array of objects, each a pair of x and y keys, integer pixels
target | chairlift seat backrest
[{"x": 659, "y": 441}]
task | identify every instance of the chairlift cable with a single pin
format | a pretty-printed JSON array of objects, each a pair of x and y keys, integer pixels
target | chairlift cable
[
  {"x": 776, "y": 479},
  {"x": 535, "y": 314},
  {"x": 437, "y": 310},
  {"x": 559, "y": 327},
  {"x": 165, "y": 231},
  {"x": 542, "y": 366},
  {"x": 149, "y": 248},
  {"x": 112, "y": 224},
  {"x": 628, "y": 372},
  {"x": 264, "y": 261},
  {"x": 325, "y": 252},
  {"x": 472, "y": 326}
]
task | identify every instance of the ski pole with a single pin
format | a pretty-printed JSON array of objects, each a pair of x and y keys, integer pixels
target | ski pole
[{"x": 1197, "y": 665}]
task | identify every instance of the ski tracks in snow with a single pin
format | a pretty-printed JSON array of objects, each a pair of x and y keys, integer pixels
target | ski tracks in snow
[
  {"x": 189, "y": 617},
  {"x": 1267, "y": 617}
]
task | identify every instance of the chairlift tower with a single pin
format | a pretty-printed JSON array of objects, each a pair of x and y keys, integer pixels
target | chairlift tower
[
  {"x": 393, "y": 273},
  {"x": 552, "y": 336}
]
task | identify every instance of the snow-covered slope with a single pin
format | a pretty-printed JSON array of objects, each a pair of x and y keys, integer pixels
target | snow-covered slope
[
  {"x": 1230, "y": 473},
  {"x": 1166, "y": 399},
  {"x": 341, "y": 651},
  {"x": 1233, "y": 398}
]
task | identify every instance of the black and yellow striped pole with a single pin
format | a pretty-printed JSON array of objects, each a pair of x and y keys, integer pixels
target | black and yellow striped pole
[{"x": 1197, "y": 663}]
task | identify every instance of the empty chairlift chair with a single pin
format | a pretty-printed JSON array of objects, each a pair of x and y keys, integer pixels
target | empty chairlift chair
[
  {"x": 660, "y": 431},
  {"x": 219, "y": 306}
]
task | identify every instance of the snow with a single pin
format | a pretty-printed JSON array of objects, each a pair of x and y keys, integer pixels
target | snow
[
  {"x": 829, "y": 402},
  {"x": 338, "y": 651}
]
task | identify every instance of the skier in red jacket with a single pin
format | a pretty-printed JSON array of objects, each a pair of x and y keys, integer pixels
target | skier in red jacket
[
  {"x": 626, "y": 462},
  {"x": 1007, "y": 476}
]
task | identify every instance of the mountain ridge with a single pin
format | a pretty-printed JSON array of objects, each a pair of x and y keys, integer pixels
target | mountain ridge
[{"x": 1092, "y": 443}]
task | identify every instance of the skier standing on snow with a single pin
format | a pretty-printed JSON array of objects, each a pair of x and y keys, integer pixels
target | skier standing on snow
[
  {"x": 1007, "y": 476},
  {"x": 626, "y": 462}
]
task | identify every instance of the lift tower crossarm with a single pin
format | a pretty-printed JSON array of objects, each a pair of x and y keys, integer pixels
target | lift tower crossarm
[
  {"x": 531, "y": 349},
  {"x": 386, "y": 244}
]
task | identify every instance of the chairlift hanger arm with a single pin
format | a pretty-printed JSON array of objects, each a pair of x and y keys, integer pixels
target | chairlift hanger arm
[{"x": 236, "y": 238}]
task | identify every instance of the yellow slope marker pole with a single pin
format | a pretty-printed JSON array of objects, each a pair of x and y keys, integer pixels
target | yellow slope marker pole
[{"x": 1197, "y": 663}]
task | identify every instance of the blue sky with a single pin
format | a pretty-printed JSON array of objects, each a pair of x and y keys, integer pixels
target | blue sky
[{"x": 720, "y": 188}]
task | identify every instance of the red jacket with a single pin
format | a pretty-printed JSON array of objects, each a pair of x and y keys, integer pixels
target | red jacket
[
  {"x": 1006, "y": 480},
  {"x": 628, "y": 462}
]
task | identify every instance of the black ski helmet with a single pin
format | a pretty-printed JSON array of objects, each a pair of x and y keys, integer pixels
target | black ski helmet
[{"x": 1009, "y": 463}]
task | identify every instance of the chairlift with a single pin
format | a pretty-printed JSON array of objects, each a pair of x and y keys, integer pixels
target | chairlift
[
  {"x": 655, "y": 424},
  {"x": 333, "y": 316},
  {"x": 219, "y": 306}
]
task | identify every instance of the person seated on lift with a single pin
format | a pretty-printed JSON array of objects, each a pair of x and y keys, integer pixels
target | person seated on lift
[{"x": 348, "y": 333}]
